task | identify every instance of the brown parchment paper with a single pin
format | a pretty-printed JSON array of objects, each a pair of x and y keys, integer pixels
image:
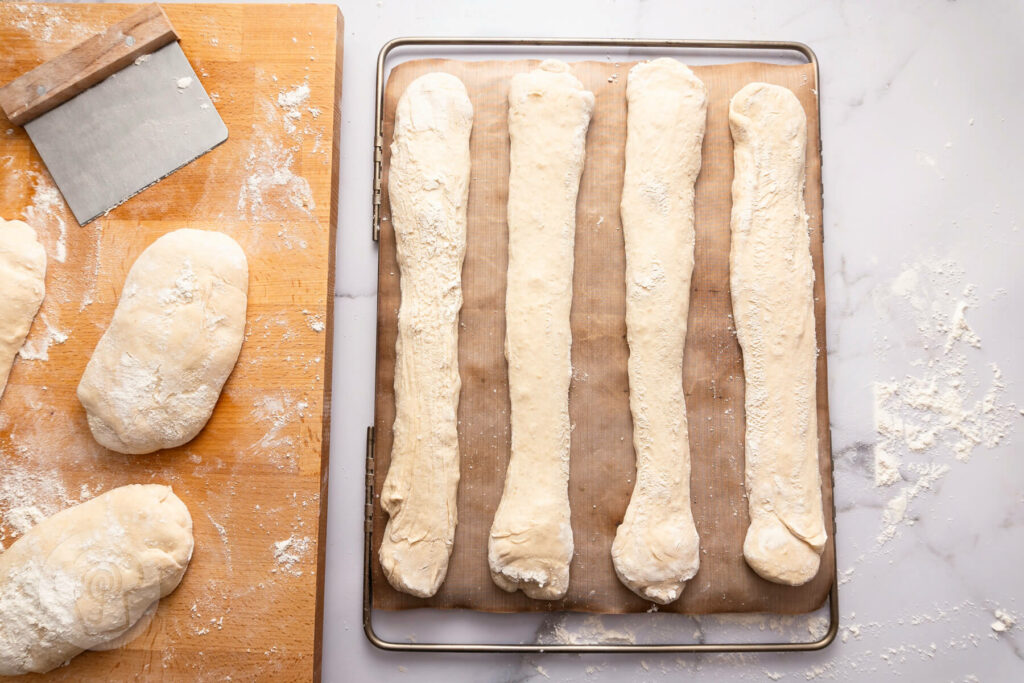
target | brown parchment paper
[{"x": 602, "y": 459}]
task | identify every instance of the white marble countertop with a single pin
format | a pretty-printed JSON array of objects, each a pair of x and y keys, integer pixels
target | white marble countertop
[{"x": 923, "y": 244}]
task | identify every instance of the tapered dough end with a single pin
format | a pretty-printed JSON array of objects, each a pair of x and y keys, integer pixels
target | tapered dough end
[
  {"x": 417, "y": 568},
  {"x": 777, "y": 555}
]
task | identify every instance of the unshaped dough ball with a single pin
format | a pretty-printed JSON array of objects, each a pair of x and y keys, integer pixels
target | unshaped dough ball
[
  {"x": 85, "y": 576},
  {"x": 23, "y": 283},
  {"x": 157, "y": 372}
]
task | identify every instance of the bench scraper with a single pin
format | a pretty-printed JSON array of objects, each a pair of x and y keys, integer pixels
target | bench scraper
[{"x": 116, "y": 113}]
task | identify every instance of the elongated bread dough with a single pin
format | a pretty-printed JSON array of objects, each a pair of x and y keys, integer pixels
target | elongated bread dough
[
  {"x": 429, "y": 190},
  {"x": 772, "y": 279},
  {"x": 23, "y": 275},
  {"x": 84, "y": 577},
  {"x": 656, "y": 548},
  {"x": 157, "y": 371},
  {"x": 531, "y": 545}
]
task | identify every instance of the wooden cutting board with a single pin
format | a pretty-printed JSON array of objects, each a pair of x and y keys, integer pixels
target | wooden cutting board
[{"x": 255, "y": 479}]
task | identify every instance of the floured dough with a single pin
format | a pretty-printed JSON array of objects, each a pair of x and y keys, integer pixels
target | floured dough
[
  {"x": 85, "y": 576},
  {"x": 428, "y": 186},
  {"x": 772, "y": 278},
  {"x": 531, "y": 543},
  {"x": 157, "y": 371},
  {"x": 656, "y": 549},
  {"x": 23, "y": 277}
]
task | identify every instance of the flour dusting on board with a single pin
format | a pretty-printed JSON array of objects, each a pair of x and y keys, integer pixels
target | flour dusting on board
[
  {"x": 279, "y": 415},
  {"x": 48, "y": 24},
  {"x": 290, "y": 552},
  {"x": 46, "y": 212},
  {"x": 945, "y": 407},
  {"x": 271, "y": 189},
  {"x": 37, "y": 346},
  {"x": 27, "y": 495},
  {"x": 291, "y": 102}
]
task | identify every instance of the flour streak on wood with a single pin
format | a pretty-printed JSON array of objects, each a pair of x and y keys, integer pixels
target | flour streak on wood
[{"x": 252, "y": 478}]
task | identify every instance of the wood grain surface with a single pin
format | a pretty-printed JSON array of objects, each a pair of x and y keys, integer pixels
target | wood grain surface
[
  {"x": 255, "y": 479},
  {"x": 602, "y": 465}
]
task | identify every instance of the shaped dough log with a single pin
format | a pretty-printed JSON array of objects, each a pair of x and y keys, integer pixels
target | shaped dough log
[
  {"x": 85, "y": 576},
  {"x": 772, "y": 278},
  {"x": 531, "y": 545},
  {"x": 157, "y": 371},
  {"x": 23, "y": 274},
  {"x": 429, "y": 190},
  {"x": 656, "y": 548}
]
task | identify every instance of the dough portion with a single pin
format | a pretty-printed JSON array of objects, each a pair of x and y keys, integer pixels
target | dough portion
[
  {"x": 23, "y": 274},
  {"x": 772, "y": 277},
  {"x": 428, "y": 185},
  {"x": 157, "y": 371},
  {"x": 531, "y": 544},
  {"x": 85, "y": 576},
  {"x": 656, "y": 548}
]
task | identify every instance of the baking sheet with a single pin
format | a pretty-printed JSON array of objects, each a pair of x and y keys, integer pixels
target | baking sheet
[{"x": 602, "y": 459}]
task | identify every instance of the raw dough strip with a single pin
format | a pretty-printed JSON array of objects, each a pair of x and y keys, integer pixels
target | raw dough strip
[
  {"x": 656, "y": 548},
  {"x": 772, "y": 279},
  {"x": 531, "y": 545},
  {"x": 429, "y": 190},
  {"x": 23, "y": 277}
]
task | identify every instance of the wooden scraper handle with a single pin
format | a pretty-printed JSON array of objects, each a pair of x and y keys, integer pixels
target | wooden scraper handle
[{"x": 55, "y": 82}]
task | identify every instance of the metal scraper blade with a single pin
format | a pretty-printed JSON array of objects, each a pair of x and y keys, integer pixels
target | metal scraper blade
[{"x": 128, "y": 131}]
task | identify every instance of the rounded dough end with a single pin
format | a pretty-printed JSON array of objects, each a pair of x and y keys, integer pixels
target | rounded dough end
[
  {"x": 776, "y": 555},
  {"x": 656, "y": 565},
  {"x": 400, "y": 559},
  {"x": 539, "y": 578}
]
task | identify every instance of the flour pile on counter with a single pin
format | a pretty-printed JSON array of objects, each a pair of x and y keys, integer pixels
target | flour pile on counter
[{"x": 944, "y": 406}]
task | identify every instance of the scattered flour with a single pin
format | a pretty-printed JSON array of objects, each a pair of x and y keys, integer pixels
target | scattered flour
[
  {"x": 270, "y": 182},
  {"x": 314, "y": 320},
  {"x": 21, "y": 519},
  {"x": 28, "y": 496},
  {"x": 279, "y": 414},
  {"x": 46, "y": 212},
  {"x": 934, "y": 410},
  {"x": 1004, "y": 621},
  {"x": 37, "y": 347},
  {"x": 183, "y": 83},
  {"x": 291, "y": 102},
  {"x": 817, "y": 627},
  {"x": 47, "y": 23},
  {"x": 290, "y": 552},
  {"x": 592, "y": 630}
]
